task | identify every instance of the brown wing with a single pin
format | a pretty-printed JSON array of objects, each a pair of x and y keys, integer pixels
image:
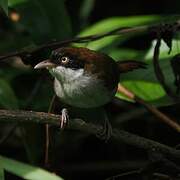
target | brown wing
[
  {"x": 130, "y": 65},
  {"x": 105, "y": 68}
]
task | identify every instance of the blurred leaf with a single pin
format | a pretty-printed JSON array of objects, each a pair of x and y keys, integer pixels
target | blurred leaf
[
  {"x": 26, "y": 171},
  {"x": 10, "y": 73},
  {"x": 86, "y": 8},
  {"x": 4, "y": 5},
  {"x": 32, "y": 141},
  {"x": 122, "y": 53},
  {"x": 144, "y": 83},
  {"x": 116, "y": 22},
  {"x": 1, "y": 172},
  {"x": 44, "y": 20},
  {"x": 9, "y": 43},
  {"x": 110, "y": 41},
  {"x": 34, "y": 93},
  {"x": 7, "y": 97},
  {"x": 58, "y": 18},
  {"x": 129, "y": 21},
  {"x": 44, "y": 97},
  {"x": 111, "y": 24},
  {"x": 12, "y": 3}
]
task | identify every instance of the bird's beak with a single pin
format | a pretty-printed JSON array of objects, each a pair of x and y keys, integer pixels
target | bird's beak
[{"x": 45, "y": 64}]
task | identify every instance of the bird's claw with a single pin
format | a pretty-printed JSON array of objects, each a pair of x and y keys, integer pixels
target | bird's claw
[
  {"x": 106, "y": 132},
  {"x": 64, "y": 118}
]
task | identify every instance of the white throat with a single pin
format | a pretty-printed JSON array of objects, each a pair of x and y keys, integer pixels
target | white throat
[{"x": 78, "y": 89}]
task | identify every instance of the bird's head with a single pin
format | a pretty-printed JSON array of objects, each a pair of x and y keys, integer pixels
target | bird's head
[{"x": 67, "y": 63}]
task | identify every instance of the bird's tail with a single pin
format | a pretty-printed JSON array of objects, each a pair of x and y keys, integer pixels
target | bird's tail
[{"x": 130, "y": 65}]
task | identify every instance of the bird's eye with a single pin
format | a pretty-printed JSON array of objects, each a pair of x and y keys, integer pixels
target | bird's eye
[{"x": 64, "y": 59}]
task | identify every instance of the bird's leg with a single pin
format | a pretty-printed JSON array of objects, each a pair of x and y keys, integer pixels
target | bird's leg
[
  {"x": 64, "y": 118},
  {"x": 106, "y": 132}
]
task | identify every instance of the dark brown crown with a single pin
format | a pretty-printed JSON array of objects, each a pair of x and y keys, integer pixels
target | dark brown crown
[{"x": 95, "y": 63}]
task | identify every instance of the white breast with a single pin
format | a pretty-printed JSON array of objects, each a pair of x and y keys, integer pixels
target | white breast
[{"x": 78, "y": 89}]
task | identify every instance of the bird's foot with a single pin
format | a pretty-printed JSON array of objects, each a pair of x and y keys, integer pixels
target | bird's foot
[
  {"x": 106, "y": 132},
  {"x": 64, "y": 118}
]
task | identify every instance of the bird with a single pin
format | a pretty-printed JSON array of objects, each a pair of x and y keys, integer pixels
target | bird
[{"x": 85, "y": 78}]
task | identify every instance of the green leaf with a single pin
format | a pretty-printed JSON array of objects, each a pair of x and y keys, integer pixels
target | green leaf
[
  {"x": 144, "y": 83},
  {"x": 115, "y": 22},
  {"x": 86, "y": 8},
  {"x": 26, "y": 171},
  {"x": 1, "y": 172},
  {"x": 151, "y": 92},
  {"x": 111, "y": 24},
  {"x": 58, "y": 18},
  {"x": 4, "y": 5},
  {"x": 164, "y": 49},
  {"x": 12, "y": 3},
  {"x": 7, "y": 97},
  {"x": 44, "y": 20},
  {"x": 122, "y": 53}
]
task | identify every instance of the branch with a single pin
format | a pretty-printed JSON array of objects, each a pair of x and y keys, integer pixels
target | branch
[
  {"x": 149, "y": 107},
  {"x": 27, "y": 54},
  {"x": 78, "y": 124}
]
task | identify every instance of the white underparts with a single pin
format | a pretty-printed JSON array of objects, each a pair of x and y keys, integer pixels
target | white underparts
[{"x": 78, "y": 89}]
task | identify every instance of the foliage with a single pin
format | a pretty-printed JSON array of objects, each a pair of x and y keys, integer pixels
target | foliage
[
  {"x": 24, "y": 171},
  {"x": 29, "y": 23},
  {"x": 4, "y": 5},
  {"x": 39, "y": 20},
  {"x": 145, "y": 84}
]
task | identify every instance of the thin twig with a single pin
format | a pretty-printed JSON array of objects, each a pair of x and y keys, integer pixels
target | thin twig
[
  {"x": 57, "y": 44},
  {"x": 78, "y": 124},
  {"x": 46, "y": 158},
  {"x": 119, "y": 31},
  {"x": 164, "y": 118},
  {"x": 34, "y": 91},
  {"x": 129, "y": 173},
  {"x": 8, "y": 134},
  {"x": 46, "y": 155},
  {"x": 162, "y": 176}
]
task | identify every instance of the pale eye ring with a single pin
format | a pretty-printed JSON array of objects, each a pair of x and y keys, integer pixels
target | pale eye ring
[{"x": 64, "y": 59}]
